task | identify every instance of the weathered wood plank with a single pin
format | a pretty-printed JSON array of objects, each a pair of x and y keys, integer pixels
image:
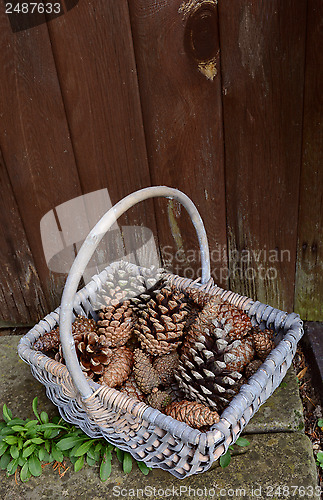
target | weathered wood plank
[
  {"x": 21, "y": 297},
  {"x": 99, "y": 85},
  {"x": 309, "y": 270},
  {"x": 177, "y": 54},
  {"x": 34, "y": 137},
  {"x": 262, "y": 59}
]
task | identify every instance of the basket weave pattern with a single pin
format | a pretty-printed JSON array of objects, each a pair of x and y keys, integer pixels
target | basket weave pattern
[{"x": 146, "y": 433}]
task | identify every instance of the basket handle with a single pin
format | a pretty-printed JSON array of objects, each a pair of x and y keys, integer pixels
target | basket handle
[{"x": 85, "y": 253}]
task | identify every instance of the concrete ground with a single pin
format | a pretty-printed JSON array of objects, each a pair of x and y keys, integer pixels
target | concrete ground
[{"x": 278, "y": 463}]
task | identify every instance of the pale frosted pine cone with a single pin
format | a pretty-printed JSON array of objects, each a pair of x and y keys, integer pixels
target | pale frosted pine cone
[{"x": 193, "y": 414}]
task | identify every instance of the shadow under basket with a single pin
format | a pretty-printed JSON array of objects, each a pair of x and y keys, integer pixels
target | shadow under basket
[{"x": 147, "y": 434}]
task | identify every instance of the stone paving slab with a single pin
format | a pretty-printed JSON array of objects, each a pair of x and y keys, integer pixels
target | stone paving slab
[
  {"x": 279, "y": 465},
  {"x": 282, "y": 411}
]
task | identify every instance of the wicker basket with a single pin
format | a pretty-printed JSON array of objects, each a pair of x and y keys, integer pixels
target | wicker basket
[{"x": 150, "y": 436}]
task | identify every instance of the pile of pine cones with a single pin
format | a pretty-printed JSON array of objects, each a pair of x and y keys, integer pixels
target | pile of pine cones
[{"x": 185, "y": 354}]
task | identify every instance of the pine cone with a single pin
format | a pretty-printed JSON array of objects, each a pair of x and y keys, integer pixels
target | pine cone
[
  {"x": 199, "y": 297},
  {"x": 252, "y": 367},
  {"x": 236, "y": 323},
  {"x": 193, "y": 414},
  {"x": 119, "y": 368},
  {"x": 240, "y": 355},
  {"x": 206, "y": 371},
  {"x": 161, "y": 320},
  {"x": 158, "y": 399},
  {"x": 51, "y": 340},
  {"x": 92, "y": 352},
  {"x": 263, "y": 342},
  {"x": 116, "y": 323},
  {"x": 145, "y": 375},
  {"x": 132, "y": 390},
  {"x": 125, "y": 282},
  {"x": 48, "y": 342},
  {"x": 165, "y": 366}
]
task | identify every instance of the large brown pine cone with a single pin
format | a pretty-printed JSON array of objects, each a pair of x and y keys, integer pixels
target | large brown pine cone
[
  {"x": 161, "y": 320},
  {"x": 193, "y": 414},
  {"x": 165, "y": 366},
  {"x": 116, "y": 323},
  {"x": 119, "y": 367}
]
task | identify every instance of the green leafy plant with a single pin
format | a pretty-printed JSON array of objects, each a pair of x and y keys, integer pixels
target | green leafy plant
[
  {"x": 320, "y": 422},
  {"x": 226, "y": 458},
  {"x": 319, "y": 459},
  {"x": 26, "y": 446}
]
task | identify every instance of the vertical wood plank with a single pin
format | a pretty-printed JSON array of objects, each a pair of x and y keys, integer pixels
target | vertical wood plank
[
  {"x": 100, "y": 90},
  {"x": 262, "y": 59},
  {"x": 34, "y": 136},
  {"x": 309, "y": 271},
  {"x": 177, "y": 54},
  {"x": 21, "y": 297}
]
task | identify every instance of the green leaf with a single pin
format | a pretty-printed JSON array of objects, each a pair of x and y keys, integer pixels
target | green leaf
[
  {"x": 83, "y": 448},
  {"x": 14, "y": 452},
  {"x": 7, "y": 431},
  {"x": 31, "y": 423},
  {"x": 143, "y": 467},
  {"x": 320, "y": 422},
  {"x": 34, "y": 406},
  {"x": 37, "y": 440},
  {"x": 105, "y": 469},
  {"x": 73, "y": 459},
  {"x": 95, "y": 455},
  {"x": 11, "y": 440},
  {"x": 29, "y": 450},
  {"x": 19, "y": 428},
  {"x": 51, "y": 434},
  {"x": 79, "y": 463},
  {"x": 127, "y": 463},
  {"x": 241, "y": 441},
  {"x": 34, "y": 465},
  {"x": 3, "y": 447},
  {"x": 44, "y": 417},
  {"x": 69, "y": 442},
  {"x": 15, "y": 421},
  {"x": 320, "y": 456},
  {"x": 119, "y": 455},
  {"x": 57, "y": 454},
  {"x": 42, "y": 453},
  {"x": 20, "y": 443},
  {"x": 22, "y": 461},
  {"x": 225, "y": 459},
  {"x": 25, "y": 473},
  {"x": 45, "y": 427},
  {"x": 2, "y": 425},
  {"x": 47, "y": 446},
  {"x": 90, "y": 461},
  {"x": 4, "y": 460},
  {"x": 98, "y": 447},
  {"x": 7, "y": 415},
  {"x": 12, "y": 467}
]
